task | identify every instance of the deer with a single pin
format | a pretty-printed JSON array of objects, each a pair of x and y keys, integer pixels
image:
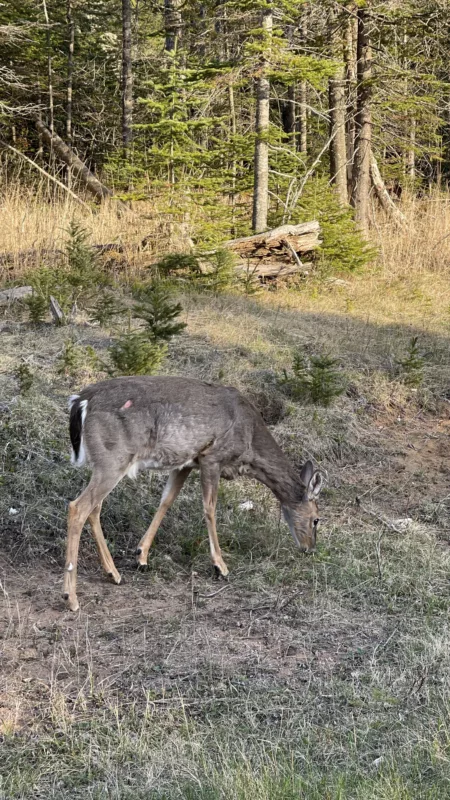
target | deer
[{"x": 124, "y": 425}]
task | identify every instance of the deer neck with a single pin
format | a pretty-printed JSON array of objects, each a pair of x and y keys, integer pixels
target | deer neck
[{"x": 272, "y": 467}]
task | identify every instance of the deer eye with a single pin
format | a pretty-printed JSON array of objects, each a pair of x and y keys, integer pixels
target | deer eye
[{"x": 316, "y": 522}]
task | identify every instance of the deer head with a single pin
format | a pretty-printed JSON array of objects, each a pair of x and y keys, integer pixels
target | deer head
[{"x": 303, "y": 517}]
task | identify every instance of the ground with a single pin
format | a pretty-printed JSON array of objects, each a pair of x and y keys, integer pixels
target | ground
[{"x": 312, "y": 677}]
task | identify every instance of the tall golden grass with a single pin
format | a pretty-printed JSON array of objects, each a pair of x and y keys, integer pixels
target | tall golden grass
[
  {"x": 407, "y": 283},
  {"x": 38, "y": 219}
]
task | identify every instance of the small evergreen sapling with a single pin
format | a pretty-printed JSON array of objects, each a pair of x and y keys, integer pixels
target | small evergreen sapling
[
  {"x": 106, "y": 309},
  {"x": 411, "y": 367},
  {"x": 24, "y": 377},
  {"x": 159, "y": 313},
  {"x": 299, "y": 384},
  {"x": 142, "y": 352},
  {"x": 134, "y": 354},
  {"x": 84, "y": 275},
  {"x": 326, "y": 382},
  {"x": 314, "y": 380}
]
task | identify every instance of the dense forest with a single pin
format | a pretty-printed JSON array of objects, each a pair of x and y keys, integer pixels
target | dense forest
[{"x": 247, "y": 115}]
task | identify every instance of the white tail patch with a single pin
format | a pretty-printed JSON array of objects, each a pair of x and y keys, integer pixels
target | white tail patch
[
  {"x": 82, "y": 456},
  {"x": 72, "y": 399}
]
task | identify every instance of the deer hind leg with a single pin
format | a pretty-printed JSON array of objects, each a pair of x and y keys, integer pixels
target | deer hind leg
[
  {"x": 171, "y": 491},
  {"x": 79, "y": 511},
  {"x": 210, "y": 477},
  {"x": 103, "y": 551}
]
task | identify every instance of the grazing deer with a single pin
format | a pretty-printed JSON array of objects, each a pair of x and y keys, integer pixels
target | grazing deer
[{"x": 124, "y": 425}]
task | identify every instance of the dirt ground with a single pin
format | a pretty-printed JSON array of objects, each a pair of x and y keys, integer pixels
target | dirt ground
[{"x": 155, "y": 635}]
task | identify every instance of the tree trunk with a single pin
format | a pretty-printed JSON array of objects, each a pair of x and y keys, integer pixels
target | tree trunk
[
  {"x": 363, "y": 123},
  {"x": 261, "y": 167},
  {"x": 51, "y": 124},
  {"x": 350, "y": 79},
  {"x": 56, "y": 144},
  {"x": 127, "y": 77},
  {"x": 411, "y": 158},
  {"x": 302, "y": 101},
  {"x": 71, "y": 31},
  {"x": 172, "y": 25},
  {"x": 338, "y": 150}
]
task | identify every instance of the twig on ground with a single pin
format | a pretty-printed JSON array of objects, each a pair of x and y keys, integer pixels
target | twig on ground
[
  {"x": 380, "y": 518},
  {"x": 213, "y": 594}
]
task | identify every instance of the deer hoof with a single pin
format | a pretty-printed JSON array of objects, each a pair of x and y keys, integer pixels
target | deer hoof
[
  {"x": 220, "y": 573},
  {"x": 73, "y": 603},
  {"x": 115, "y": 577}
]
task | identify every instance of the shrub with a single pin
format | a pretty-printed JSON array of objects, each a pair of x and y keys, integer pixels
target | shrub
[
  {"x": 343, "y": 248},
  {"x": 159, "y": 313},
  {"x": 37, "y": 304},
  {"x": 411, "y": 367},
  {"x": 75, "y": 358},
  {"x": 24, "y": 377},
  {"x": 106, "y": 308},
  {"x": 73, "y": 282},
  {"x": 211, "y": 272},
  {"x": 134, "y": 354},
  {"x": 314, "y": 380}
]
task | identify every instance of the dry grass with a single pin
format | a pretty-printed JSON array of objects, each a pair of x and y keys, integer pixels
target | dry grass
[
  {"x": 408, "y": 283},
  {"x": 310, "y": 679}
]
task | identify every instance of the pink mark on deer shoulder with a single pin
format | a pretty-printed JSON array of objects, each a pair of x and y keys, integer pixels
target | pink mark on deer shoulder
[{"x": 128, "y": 404}]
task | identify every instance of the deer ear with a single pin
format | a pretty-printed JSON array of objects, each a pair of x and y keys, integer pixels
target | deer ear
[
  {"x": 306, "y": 473},
  {"x": 315, "y": 486}
]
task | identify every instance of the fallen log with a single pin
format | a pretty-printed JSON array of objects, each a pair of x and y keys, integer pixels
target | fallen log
[
  {"x": 383, "y": 195},
  {"x": 276, "y": 253},
  {"x": 274, "y": 269},
  {"x": 16, "y": 293},
  {"x": 66, "y": 154},
  {"x": 303, "y": 238}
]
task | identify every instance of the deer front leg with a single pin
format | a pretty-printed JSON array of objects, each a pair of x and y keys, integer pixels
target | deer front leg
[
  {"x": 171, "y": 491},
  {"x": 210, "y": 476}
]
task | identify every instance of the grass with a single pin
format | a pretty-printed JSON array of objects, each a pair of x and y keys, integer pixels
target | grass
[{"x": 323, "y": 677}]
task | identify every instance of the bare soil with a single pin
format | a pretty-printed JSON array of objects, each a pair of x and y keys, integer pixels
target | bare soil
[{"x": 151, "y": 634}]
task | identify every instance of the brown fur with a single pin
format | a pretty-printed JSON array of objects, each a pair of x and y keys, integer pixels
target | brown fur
[{"x": 178, "y": 424}]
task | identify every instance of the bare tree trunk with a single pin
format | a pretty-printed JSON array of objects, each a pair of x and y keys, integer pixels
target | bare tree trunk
[
  {"x": 172, "y": 24},
  {"x": 302, "y": 101},
  {"x": 71, "y": 31},
  {"x": 127, "y": 77},
  {"x": 338, "y": 150},
  {"x": 350, "y": 78},
  {"x": 56, "y": 144},
  {"x": 51, "y": 124},
  {"x": 336, "y": 106},
  {"x": 261, "y": 167},
  {"x": 40, "y": 151},
  {"x": 361, "y": 163},
  {"x": 411, "y": 157}
]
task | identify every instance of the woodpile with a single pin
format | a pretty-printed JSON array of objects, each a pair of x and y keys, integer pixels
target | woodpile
[{"x": 277, "y": 253}]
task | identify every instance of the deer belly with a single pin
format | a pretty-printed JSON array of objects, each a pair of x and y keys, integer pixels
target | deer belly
[{"x": 152, "y": 464}]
